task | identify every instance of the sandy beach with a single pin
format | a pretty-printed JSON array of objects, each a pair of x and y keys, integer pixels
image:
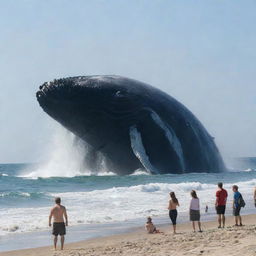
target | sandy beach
[{"x": 213, "y": 241}]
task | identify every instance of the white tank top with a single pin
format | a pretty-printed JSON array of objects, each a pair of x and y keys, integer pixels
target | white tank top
[{"x": 194, "y": 204}]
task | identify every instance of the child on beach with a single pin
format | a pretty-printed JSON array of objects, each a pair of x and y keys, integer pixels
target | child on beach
[
  {"x": 194, "y": 211},
  {"x": 238, "y": 202},
  {"x": 150, "y": 227},
  {"x": 173, "y": 203}
]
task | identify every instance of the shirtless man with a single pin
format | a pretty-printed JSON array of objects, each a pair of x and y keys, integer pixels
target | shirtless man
[{"x": 58, "y": 212}]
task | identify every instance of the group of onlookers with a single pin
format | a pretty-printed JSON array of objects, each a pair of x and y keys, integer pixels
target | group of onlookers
[
  {"x": 194, "y": 209},
  {"x": 59, "y": 213}
]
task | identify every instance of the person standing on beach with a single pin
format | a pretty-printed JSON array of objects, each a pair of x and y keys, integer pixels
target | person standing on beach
[
  {"x": 194, "y": 211},
  {"x": 220, "y": 204},
  {"x": 58, "y": 213},
  {"x": 237, "y": 205},
  {"x": 173, "y": 203},
  {"x": 254, "y": 196}
]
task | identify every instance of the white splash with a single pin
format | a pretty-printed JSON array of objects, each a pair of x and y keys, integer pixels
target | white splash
[{"x": 64, "y": 157}]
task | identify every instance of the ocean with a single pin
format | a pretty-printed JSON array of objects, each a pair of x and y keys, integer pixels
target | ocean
[{"x": 105, "y": 203}]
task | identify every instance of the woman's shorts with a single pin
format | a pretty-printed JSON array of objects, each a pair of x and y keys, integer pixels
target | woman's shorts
[{"x": 194, "y": 215}]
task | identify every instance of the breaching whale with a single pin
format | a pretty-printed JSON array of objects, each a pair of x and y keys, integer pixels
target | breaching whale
[{"x": 131, "y": 124}]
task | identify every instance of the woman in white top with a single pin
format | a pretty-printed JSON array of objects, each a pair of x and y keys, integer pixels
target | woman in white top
[{"x": 194, "y": 211}]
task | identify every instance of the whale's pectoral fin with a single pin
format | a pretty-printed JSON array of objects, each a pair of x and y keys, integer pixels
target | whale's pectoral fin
[
  {"x": 157, "y": 146},
  {"x": 139, "y": 150}
]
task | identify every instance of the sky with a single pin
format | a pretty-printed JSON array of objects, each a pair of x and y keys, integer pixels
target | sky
[{"x": 203, "y": 53}]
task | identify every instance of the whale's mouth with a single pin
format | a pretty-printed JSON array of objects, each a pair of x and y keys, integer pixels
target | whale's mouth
[
  {"x": 46, "y": 93},
  {"x": 53, "y": 89},
  {"x": 42, "y": 92},
  {"x": 58, "y": 92}
]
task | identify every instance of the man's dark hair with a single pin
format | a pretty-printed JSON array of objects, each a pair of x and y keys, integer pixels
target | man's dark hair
[
  {"x": 235, "y": 187},
  {"x": 220, "y": 184},
  {"x": 57, "y": 200}
]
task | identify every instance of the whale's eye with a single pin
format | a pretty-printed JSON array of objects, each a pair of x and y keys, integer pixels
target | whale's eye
[{"x": 119, "y": 94}]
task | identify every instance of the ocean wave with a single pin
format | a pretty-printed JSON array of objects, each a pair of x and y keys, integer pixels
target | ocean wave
[
  {"x": 39, "y": 174},
  {"x": 19, "y": 220},
  {"x": 42, "y": 174},
  {"x": 249, "y": 170},
  {"x": 19, "y": 195},
  {"x": 140, "y": 172},
  {"x": 115, "y": 204},
  {"x": 164, "y": 188}
]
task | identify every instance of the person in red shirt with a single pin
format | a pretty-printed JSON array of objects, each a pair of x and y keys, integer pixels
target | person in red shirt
[{"x": 220, "y": 204}]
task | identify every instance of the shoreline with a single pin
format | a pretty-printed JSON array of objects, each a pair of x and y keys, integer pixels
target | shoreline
[
  {"x": 84, "y": 232},
  {"x": 133, "y": 242}
]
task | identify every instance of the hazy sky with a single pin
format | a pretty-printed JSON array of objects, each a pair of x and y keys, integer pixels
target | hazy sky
[{"x": 201, "y": 52}]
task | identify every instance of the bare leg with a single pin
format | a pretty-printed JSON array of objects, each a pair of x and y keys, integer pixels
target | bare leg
[
  {"x": 199, "y": 226},
  {"x": 55, "y": 240},
  {"x": 223, "y": 220},
  {"x": 219, "y": 220},
  {"x": 174, "y": 229},
  {"x": 62, "y": 242},
  {"x": 240, "y": 220},
  {"x": 236, "y": 220},
  {"x": 193, "y": 224}
]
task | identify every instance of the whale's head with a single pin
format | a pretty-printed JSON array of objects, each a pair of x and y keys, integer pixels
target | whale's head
[{"x": 90, "y": 105}]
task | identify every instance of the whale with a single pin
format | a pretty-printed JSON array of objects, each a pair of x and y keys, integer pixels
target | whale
[{"x": 130, "y": 125}]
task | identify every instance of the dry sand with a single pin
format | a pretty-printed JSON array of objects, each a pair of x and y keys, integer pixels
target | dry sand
[{"x": 213, "y": 241}]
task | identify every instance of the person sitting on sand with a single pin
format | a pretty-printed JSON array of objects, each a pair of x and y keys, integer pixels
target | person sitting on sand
[
  {"x": 150, "y": 227},
  {"x": 58, "y": 212},
  {"x": 194, "y": 211},
  {"x": 220, "y": 204},
  {"x": 237, "y": 205},
  {"x": 173, "y": 203}
]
